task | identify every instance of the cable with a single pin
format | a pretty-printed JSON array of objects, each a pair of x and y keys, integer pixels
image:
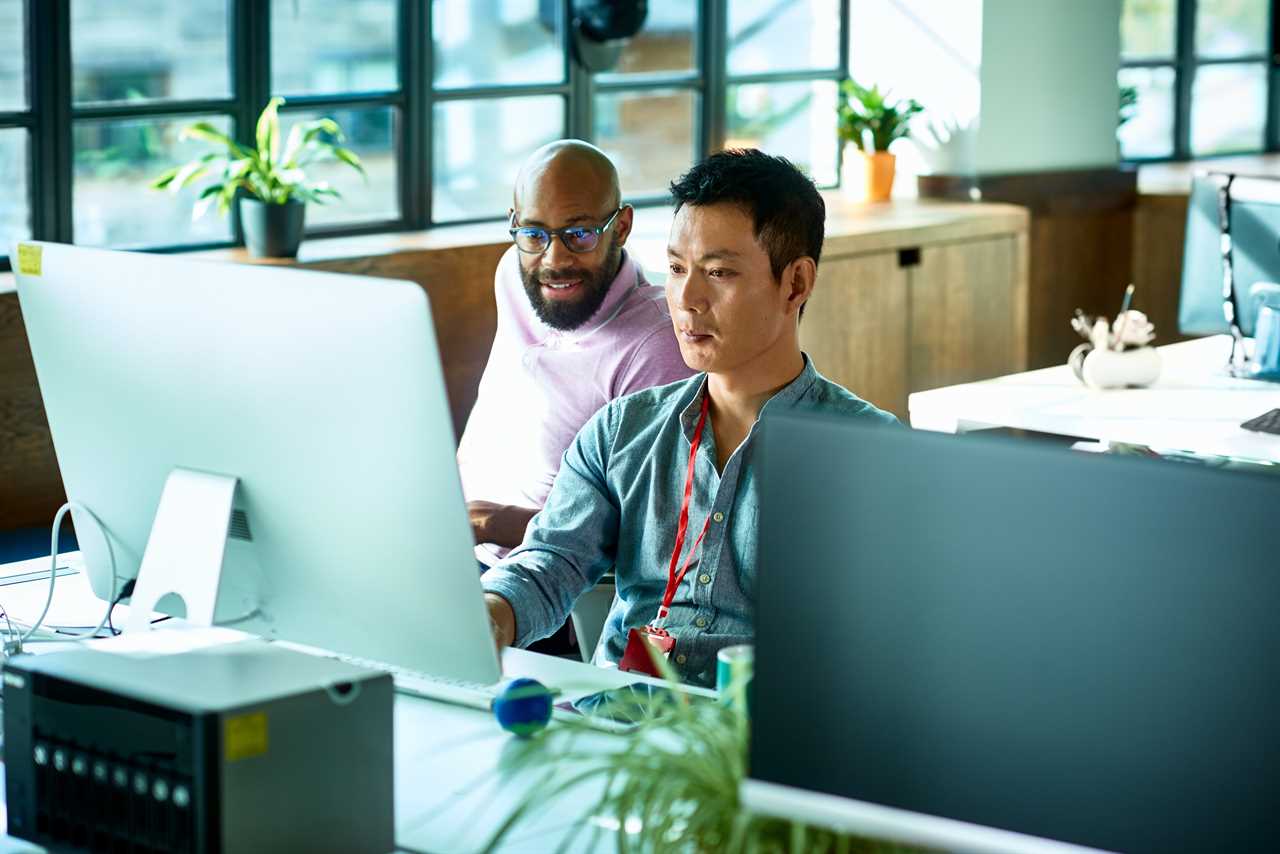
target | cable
[
  {"x": 125, "y": 591},
  {"x": 53, "y": 572},
  {"x": 11, "y": 633}
]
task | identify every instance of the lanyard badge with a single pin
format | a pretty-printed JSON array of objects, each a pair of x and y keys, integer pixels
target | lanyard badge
[{"x": 644, "y": 645}]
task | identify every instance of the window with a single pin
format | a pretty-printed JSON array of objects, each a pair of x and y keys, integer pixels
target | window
[
  {"x": 1204, "y": 76},
  {"x": 15, "y": 124},
  {"x": 441, "y": 99}
]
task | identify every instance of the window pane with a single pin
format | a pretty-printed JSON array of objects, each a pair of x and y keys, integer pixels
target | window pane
[
  {"x": 371, "y": 134},
  {"x": 1148, "y": 29},
  {"x": 115, "y": 161},
  {"x": 479, "y": 147},
  {"x": 148, "y": 50},
  {"x": 1231, "y": 27},
  {"x": 13, "y": 56},
  {"x": 487, "y": 42},
  {"x": 648, "y": 135},
  {"x": 1148, "y": 132},
  {"x": 325, "y": 46},
  {"x": 794, "y": 120},
  {"x": 768, "y": 35},
  {"x": 1228, "y": 108},
  {"x": 15, "y": 211},
  {"x": 665, "y": 43}
]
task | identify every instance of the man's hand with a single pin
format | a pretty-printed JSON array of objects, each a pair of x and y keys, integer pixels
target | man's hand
[
  {"x": 500, "y": 524},
  {"x": 502, "y": 621}
]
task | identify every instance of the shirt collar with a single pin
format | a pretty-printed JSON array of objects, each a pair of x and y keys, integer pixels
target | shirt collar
[{"x": 787, "y": 396}]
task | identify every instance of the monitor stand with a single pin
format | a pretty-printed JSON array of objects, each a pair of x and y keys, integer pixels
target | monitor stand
[{"x": 185, "y": 551}]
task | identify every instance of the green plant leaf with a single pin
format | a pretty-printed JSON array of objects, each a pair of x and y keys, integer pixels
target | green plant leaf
[
  {"x": 193, "y": 171},
  {"x": 208, "y": 198},
  {"x": 209, "y": 133},
  {"x": 868, "y": 119},
  {"x": 268, "y": 131},
  {"x": 165, "y": 178},
  {"x": 349, "y": 157}
]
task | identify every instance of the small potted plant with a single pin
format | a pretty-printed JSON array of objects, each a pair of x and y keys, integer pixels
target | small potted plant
[
  {"x": 268, "y": 182},
  {"x": 868, "y": 121}
]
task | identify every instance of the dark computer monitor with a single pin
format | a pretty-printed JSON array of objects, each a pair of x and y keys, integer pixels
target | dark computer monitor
[
  {"x": 1254, "y": 226},
  {"x": 979, "y": 645}
]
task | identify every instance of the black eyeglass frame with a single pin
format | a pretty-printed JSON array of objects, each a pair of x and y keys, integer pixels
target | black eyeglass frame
[{"x": 552, "y": 233}]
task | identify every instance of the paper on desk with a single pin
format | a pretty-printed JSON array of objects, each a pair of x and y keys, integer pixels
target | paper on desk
[
  {"x": 74, "y": 604},
  {"x": 169, "y": 640}
]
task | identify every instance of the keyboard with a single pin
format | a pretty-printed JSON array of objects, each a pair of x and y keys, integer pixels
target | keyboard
[
  {"x": 455, "y": 691},
  {"x": 1267, "y": 422},
  {"x": 458, "y": 692}
]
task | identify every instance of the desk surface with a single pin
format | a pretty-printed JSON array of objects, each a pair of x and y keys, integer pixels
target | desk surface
[
  {"x": 453, "y": 780},
  {"x": 1194, "y": 406}
]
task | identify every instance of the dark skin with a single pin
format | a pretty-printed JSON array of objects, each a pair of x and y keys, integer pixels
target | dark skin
[
  {"x": 563, "y": 183},
  {"x": 500, "y": 524}
]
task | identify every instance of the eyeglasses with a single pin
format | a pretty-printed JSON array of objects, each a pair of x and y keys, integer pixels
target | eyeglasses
[{"x": 534, "y": 240}]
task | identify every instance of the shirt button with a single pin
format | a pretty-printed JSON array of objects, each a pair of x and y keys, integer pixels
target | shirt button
[
  {"x": 701, "y": 622},
  {"x": 704, "y": 578},
  {"x": 681, "y": 658},
  {"x": 718, "y": 516}
]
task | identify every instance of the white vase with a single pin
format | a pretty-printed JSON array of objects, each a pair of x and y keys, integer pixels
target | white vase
[{"x": 1115, "y": 368}]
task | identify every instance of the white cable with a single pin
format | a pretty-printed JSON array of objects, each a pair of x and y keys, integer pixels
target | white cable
[{"x": 53, "y": 572}]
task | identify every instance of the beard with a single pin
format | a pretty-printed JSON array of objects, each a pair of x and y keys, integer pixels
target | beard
[{"x": 570, "y": 314}]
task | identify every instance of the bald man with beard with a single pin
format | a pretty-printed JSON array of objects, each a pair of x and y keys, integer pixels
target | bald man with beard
[{"x": 578, "y": 326}]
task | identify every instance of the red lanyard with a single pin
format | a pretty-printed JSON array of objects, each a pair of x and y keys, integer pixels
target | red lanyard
[{"x": 674, "y": 578}]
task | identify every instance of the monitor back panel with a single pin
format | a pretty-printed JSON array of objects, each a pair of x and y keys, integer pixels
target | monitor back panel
[
  {"x": 1255, "y": 251},
  {"x": 321, "y": 392},
  {"x": 1079, "y": 648}
]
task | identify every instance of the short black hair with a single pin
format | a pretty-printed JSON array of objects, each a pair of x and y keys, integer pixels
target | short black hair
[{"x": 788, "y": 213}]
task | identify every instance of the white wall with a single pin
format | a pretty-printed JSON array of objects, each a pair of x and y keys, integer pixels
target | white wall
[{"x": 1049, "y": 91}]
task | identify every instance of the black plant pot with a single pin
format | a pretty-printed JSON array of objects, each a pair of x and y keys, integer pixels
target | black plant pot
[{"x": 272, "y": 231}]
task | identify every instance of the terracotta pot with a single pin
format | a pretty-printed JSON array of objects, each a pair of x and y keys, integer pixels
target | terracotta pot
[{"x": 879, "y": 166}]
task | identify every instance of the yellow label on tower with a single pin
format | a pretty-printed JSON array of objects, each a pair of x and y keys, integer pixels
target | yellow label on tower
[
  {"x": 29, "y": 258},
  {"x": 245, "y": 736}
]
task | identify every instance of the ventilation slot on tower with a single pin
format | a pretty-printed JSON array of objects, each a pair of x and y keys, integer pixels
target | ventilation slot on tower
[{"x": 239, "y": 528}]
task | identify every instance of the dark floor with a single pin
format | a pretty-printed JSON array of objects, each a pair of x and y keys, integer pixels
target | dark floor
[{"x": 24, "y": 543}]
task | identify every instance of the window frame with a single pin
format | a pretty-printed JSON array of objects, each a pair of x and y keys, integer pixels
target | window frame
[
  {"x": 51, "y": 114},
  {"x": 1185, "y": 63}
]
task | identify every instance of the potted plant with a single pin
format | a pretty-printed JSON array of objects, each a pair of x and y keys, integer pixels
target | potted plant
[
  {"x": 268, "y": 182},
  {"x": 867, "y": 120},
  {"x": 670, "y": 784}
]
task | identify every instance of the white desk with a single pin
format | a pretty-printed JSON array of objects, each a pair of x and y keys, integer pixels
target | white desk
[
  {"x": 1194, "y": 406},
  {"x": 453, "y": 781}
]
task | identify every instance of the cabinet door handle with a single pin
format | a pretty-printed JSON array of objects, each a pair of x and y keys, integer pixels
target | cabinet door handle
[{"x": 909, "y": 257}]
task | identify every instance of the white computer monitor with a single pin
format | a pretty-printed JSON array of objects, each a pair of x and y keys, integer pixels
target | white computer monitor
[{"x": 318, "y": 396}]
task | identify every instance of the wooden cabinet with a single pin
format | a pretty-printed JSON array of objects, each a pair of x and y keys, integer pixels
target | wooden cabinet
[
  {"x": 855, "y": 326},
  {"x": 936, "y": 306}
]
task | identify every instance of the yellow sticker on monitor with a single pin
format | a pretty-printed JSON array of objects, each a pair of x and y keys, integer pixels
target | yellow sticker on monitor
[
  {"x": 29, "y": 258},
  {"x": 245, "y": 736}
]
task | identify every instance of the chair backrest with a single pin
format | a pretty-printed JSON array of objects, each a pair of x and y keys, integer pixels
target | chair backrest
[{"x": 589, "y": 614}]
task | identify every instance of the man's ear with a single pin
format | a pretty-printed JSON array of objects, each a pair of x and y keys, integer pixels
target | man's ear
[
  {"x": 798, "y": 279},
  {"x": 622, "y": 225}
]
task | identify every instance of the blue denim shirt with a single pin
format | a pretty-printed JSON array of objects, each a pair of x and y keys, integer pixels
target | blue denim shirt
[{"x": 615, "y": 505}]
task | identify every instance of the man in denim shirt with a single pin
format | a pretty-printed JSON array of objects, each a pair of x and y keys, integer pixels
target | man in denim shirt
[{"x": 743, "y": 256}]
